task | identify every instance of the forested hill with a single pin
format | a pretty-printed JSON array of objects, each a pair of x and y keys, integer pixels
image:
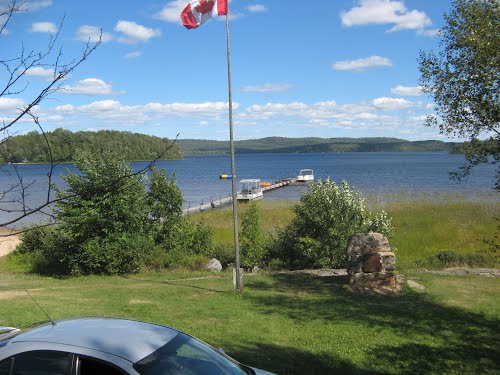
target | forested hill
[
  {"x": 281, "y": 144},
  {"x": 32, "y": 148}
]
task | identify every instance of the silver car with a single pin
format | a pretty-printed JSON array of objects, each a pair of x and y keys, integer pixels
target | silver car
[{"x": 110, "y": 346}]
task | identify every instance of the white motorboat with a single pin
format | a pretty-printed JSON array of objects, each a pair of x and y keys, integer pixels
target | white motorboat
[
  {"x": 250, "y": 190},
  {"x": 305, "y": 175}
]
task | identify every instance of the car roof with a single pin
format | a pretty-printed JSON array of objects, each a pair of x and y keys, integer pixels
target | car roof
[{"x": 128, "y": 339}]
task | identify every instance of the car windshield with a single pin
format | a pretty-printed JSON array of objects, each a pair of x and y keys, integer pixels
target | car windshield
[{"x": 188, "y": 356}]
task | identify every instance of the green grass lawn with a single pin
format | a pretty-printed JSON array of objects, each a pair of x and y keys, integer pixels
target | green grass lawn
[
  {"x": 289, "y": 324},
  {"x": 299, "y": 324}
]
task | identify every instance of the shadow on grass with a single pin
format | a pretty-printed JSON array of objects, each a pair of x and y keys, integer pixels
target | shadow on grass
[
  {"x": 432, "y": 338},
  {"x": 288, "y": 361},
  {"x": 174, "y": 283}
]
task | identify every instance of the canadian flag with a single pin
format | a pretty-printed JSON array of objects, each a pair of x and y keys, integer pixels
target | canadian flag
[{"x": 200, "y": 11}]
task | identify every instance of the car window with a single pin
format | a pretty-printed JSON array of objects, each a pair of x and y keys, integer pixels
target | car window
[
  {"x": 187, "y": 356},
  {"x": 5, "y": 366},
  {"x": 90, "y": 366},
  {"x": 42, "y": 363}
]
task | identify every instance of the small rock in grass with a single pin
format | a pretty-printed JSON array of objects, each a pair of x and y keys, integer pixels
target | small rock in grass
[
  {"x": 415, "y": 286},
  {"x": 214, "y": 265}
]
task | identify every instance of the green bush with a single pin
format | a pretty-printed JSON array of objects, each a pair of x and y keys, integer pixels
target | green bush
[
  {"x": 450, "y": 258},
  {"x": 325, "y": 217},
  {"x": 223, "y": 252},
  {"x": 109, "y": 222},
  {"x": 177, "y": 259},
  {"x": 46, "y": 251},
  {"x": 252, "y": 240},
  {"x": 115, "y": 254}
]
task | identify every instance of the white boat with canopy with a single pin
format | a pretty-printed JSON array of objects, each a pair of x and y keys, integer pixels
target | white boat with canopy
[{"x": 250, "y": 190}]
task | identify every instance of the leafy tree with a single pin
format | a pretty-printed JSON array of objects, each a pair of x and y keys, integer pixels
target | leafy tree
[
  {"x": 325, "y": 217},
  {"x": 32, "y": 147},
  {"x": 464, "y": 80},
  {"x": 252, "y": 241},
  {"x": 104, "y": 215},
  {"x": 110, "y": 223}
]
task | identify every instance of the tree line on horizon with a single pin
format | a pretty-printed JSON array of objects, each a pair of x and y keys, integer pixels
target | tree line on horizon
[
  {"x": 313, "y": 144},
  {"x": 32, "y": 147}
]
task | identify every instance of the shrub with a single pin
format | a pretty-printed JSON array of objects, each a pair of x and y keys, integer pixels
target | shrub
[
  {"x": 450, "y": 258},
  {"x": 114, "y": 254},
  {"x": 223, "y": 252},
  {"x": 252, "y": 240},
  {"x": 46, "y": 252},
  {"x": 110, "y": 224},
  {"x": 177, "y": 259},
  {"x": 325, "y": 217}
]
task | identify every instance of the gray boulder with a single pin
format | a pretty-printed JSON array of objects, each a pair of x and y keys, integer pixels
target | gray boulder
[{"x": 214, "y": 265}]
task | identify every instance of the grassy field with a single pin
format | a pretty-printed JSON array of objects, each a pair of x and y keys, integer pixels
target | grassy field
[
  {"x": 289, "y": 324},
  {"x": 302, "y": 324}
]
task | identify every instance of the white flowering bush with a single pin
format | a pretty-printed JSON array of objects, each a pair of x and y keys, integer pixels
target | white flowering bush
[{"x": 328, "y": 213}]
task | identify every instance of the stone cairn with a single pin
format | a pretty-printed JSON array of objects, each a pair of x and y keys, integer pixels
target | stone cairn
[{"x": 371, "y": 264}]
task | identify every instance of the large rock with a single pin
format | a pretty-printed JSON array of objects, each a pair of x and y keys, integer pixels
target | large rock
[
  {"x": 214, "y": 265},
  {"x": 367, "y": 243},
  {"x": 371, "y": 264}
]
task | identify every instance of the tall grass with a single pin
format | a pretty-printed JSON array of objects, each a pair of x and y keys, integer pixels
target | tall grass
[
  {"x": 424, "y": 225},
  {"x": 425, "y": 228}
]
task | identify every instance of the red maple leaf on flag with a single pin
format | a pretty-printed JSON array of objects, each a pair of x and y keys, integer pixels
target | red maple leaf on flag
[{"x": 205, "y": 6}]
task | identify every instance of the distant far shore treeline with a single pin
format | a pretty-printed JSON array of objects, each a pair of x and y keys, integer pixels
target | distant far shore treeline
[
  {"x": 32, "y": 147},
  {"x": 310, "y": 144}
]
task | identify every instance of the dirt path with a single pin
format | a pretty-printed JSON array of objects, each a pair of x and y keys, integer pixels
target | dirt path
[{"x": 8, "y": 244}]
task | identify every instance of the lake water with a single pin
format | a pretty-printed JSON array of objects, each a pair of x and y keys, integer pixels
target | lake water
[{"x": 384, "y": 174}]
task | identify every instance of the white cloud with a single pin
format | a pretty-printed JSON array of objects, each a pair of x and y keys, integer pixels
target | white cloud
[
  {"x": 133, "y": 55},
  {"x": 135, "y": 33},
  {"x": 369, "y": 12},
  {"x": 31, "y": 6},
  {"x": 90, "y": 86},
  {"x": 392, "y": 104},
  {"x": 11, "y": 104},
  {"x": 406, "y": 90},
  {"x": 39, "y": 71},
  {"x": 420, "y": 118},
  {"x": 87, "y": 33},
  {"x": 114, "y": 111},
  {"x": 360, "y": 65},
  {"x": 44, "y": 27},
  {"x": 256, "y": 8},
  {"x": 171, "y": 12},
  {"x": 266, "y": 87},
  {"x": 429, "y": 32}
]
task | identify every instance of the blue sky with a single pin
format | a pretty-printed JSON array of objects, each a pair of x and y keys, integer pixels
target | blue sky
[{"x": 344, "y": 68}]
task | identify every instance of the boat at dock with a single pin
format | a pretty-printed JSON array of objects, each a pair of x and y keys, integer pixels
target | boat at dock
[
  {"x": 305, "y": 175},
  {"x": 250, "y": 190}
]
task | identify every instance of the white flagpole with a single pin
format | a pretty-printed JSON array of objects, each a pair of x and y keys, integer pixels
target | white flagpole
[{"x": 233, "y": 168}]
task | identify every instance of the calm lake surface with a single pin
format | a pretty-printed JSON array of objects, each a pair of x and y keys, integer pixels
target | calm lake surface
[{"x": 374, "y": 174}]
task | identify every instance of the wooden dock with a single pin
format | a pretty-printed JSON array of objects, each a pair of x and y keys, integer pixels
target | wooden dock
[{"x": 221, "y": 202}]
